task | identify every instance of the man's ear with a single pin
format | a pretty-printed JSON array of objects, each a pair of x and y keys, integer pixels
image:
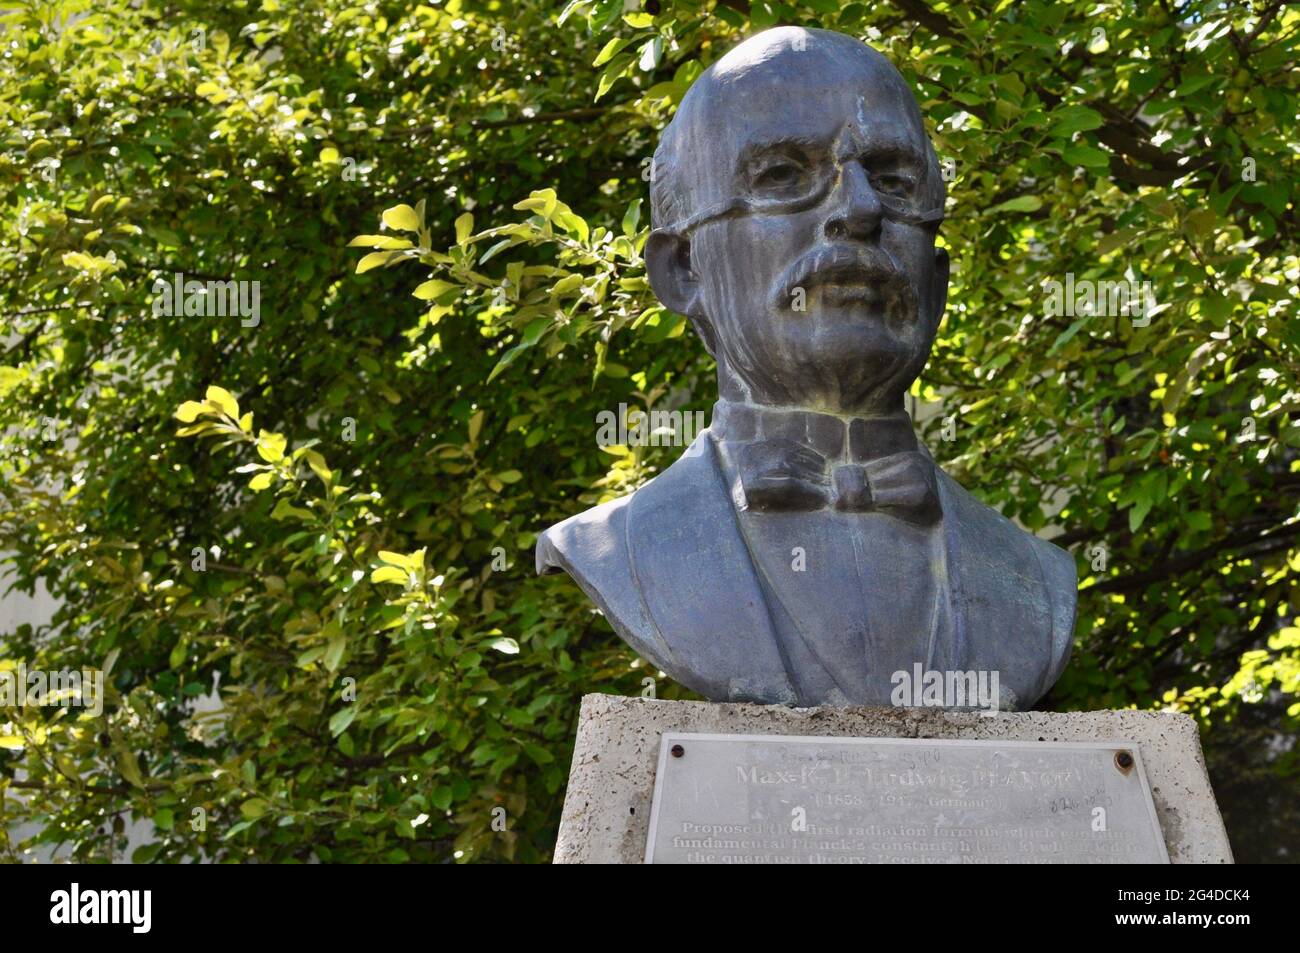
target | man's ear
[
  {"x": 668, "y": 264},
  {"x": 942, "y": 267}
]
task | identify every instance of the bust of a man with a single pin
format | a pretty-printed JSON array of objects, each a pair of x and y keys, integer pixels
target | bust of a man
[{"x": 806, "y": 549}]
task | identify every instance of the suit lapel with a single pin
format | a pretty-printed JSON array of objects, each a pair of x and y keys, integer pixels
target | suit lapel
[
  {"x": 948, "y": 631},
  {"x": 997, "y": 591},
  {"x": 699, "y": 584}
]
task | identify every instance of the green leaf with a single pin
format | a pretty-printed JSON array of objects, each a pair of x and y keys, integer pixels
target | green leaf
[
  {"x": 190, "y": 410},
  {"x": 632, "y": 218},
  {"x": 572, "y": 223},
  {"x": 222, "y": 399},
  {"x": 270, "y": 446},
  {"x": 146, "y": 853},
  {"x": 1085, "y": 156},
  {"x": 1075, "y": 118},
  {"x": 464, "y": 227},
  {"x": 535, "y": 329},
  {"x": 341, "y": 719},
  {"x": 1138, "y": 514},
  {"x": 1064, "y": 337},
  {"x": 1021, "y": 203},
  {"x": 537, "y": 753},
  {"x": 605, "y": 13},
  {"x": 506, "y": 360},
  {"x": 129, "y": 766},
  {"x": 612, "y": 74},
  {"x": 402, "y": 218},
  {"x": 334, "y": 651},
  {"x": 238, "y": 829},
  {"x": 1194, "y": 83},
  {"x": 380, "y": 241},
  {"x": 375, "y": 259},
  {"x": 542, "y": 201},
  {"x": 390, "y": 574},
  {"x": 10, "y": 377},
  {"x": 318, "y": 466},
  {"x": 609, "y": 49},
  {"x": 409, "y": 563},
  {"x": 433, "y": 288}
]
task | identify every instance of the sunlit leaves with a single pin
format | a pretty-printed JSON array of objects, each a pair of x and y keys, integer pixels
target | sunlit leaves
[{"x": 402, "y": 218}]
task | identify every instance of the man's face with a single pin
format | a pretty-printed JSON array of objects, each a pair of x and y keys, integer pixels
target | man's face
[{"x": 816, "y": 264}]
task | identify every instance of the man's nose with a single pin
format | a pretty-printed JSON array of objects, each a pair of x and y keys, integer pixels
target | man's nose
[{"x": 855, "y": 210}]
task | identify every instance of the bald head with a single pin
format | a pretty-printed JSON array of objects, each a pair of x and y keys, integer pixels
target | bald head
[
  {"x": 786, "y": 83},
  {"x": 795, "y": 199}
]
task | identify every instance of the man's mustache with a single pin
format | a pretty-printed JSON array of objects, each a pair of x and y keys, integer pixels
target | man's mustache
[{"x": 841, "y": 262}]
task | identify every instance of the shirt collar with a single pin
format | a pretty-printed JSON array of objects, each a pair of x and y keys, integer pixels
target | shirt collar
[{"x": 849, "y": 439}]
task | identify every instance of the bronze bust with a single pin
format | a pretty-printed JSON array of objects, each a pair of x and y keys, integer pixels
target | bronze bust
[{"x": 805, "y": 549}]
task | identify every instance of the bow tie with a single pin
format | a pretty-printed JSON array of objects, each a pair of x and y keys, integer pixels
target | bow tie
[
  {"x": 789, "y": 460},
  {"x": 783, "y": 475}
]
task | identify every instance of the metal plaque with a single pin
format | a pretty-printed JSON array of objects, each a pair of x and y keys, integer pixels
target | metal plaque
[{"x": 774, "y": 799}]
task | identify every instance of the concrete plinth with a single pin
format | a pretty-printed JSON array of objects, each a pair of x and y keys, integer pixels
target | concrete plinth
[{"x": 611, "y": 783}]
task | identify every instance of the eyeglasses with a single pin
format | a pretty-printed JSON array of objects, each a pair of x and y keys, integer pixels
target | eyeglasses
[{"x": 783, "y": 184}]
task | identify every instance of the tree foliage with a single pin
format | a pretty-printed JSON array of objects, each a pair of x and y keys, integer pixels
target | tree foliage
[{"x": 443, "y": 207}]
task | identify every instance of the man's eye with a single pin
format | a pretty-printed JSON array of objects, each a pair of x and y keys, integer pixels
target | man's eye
[
  {"x": 891, "y": 184},
  {"x": 779, "y": 175}
]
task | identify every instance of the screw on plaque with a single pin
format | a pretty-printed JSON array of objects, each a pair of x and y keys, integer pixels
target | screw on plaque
[
  {"x": 1124, "y": 761},
  {"x": 678, "y": 751}
]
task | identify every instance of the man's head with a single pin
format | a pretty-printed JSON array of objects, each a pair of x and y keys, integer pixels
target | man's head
[{"x": 795, "y": 199}]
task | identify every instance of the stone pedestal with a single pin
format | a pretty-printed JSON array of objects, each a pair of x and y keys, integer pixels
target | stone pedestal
[{"x": 611, "y": 783}]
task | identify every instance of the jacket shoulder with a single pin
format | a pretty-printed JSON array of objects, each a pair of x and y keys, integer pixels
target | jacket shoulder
[
  {"x": 1062, "y": 579},
  {"x": 592, "y": 548},
  {"x": 596, "y": 541},
  {"x": 993, "y": 540},
  {"x": 598, "y": 532},
  {"x": 670, "y": 571}
]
